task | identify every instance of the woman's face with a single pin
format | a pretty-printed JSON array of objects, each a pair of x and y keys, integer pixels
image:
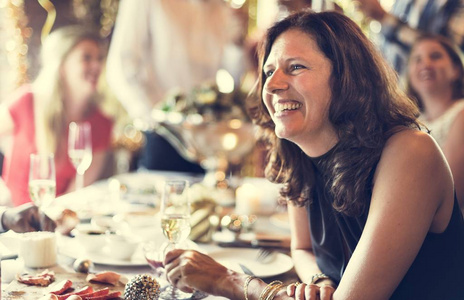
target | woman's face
[
  {"x": 82, "y": 67},
  {"x": 430, "y": 68},
  {"x": 297, "y": 92}
]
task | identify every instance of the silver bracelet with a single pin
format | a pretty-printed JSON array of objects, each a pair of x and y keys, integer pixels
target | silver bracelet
[{"x": 318, "y": 276}]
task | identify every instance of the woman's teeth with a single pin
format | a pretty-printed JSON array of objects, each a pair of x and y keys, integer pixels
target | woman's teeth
[{"x": 280, "y": 107}]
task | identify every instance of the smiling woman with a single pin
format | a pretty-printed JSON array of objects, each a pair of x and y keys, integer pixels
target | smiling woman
[
  {"x": 38, "y": 115},
  {"x": 368, "y": 218},
  {"x": 297, "y": 92},
  {"x": 436, "y": 80}
]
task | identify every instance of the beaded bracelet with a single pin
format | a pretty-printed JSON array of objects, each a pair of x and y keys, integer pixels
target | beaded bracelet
[
  {"x": 276, "y": 284},
  {"x": 245, "y": 285}
]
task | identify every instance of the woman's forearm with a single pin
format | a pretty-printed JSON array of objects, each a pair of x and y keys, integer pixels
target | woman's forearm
[{"x": 305, "y": 264}]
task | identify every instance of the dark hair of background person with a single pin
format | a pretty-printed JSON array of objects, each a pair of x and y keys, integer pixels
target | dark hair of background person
[
  {"x": 366, "y": 108},
  {"x": 454, "y": 54}
]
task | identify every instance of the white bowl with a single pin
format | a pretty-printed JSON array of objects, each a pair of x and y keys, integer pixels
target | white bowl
[
  {"x": 91, "y": 238},
  {"x": 121, "y": 247}
]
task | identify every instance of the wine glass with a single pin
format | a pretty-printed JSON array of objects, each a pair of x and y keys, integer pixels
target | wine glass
[
  {"x": 42, "y": 181},
  {"x": 154, "y": 254},
  {"x": 80, "y": 149},
  {"x": 175, "y": 224}
]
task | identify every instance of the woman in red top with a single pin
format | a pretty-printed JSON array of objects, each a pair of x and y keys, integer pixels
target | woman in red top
[{"x": 38, "y": 115}]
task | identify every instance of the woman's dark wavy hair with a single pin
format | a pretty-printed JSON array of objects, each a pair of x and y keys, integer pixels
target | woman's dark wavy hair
[
  {"x": 454, "y": 54},
  {"x": 367, "y": 107}
]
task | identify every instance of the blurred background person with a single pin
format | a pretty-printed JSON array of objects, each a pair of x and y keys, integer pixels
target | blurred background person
[
  {"x": 38, "y": 115},
  {"x": 410, "y": 18},
  {"x": 161, "y": 45},
  {"x": 435, "y": 78}
]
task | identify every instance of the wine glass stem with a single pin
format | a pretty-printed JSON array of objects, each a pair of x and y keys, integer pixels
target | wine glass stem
[{"x": 79, "y": 180}]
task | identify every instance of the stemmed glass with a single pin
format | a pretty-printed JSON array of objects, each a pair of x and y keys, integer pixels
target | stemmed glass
[
  {"x": 175, "y": 223},
  {"x": 42, "y": 180},
  {"x": 80, "y": 149}
]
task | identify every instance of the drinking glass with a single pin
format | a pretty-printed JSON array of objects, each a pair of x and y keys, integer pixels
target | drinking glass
[
  {"x": 154, "y": 254},
  {"x": 42, "y": 181},
  {"x": 175, "y": 224},
  {"x": 80, "y": 149}
]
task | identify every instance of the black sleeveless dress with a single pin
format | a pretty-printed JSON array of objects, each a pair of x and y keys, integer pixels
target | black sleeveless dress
[{"x": 436, "y": 273}]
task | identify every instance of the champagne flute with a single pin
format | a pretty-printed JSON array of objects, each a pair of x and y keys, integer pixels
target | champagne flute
[
  {"x": 175, "y": 223},
  {"x": 80, "y": 150},
  {"x": 42, "y": 181}
]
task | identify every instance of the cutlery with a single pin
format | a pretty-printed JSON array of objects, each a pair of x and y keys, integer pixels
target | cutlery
[
  {"x": 265, "y": 255},
  {"x": 257, "y": 243},
  {"x": 246, "y": 270}
]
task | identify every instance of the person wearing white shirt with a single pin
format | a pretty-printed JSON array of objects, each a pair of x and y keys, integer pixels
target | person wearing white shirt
[{"x": 161, "y": 45}]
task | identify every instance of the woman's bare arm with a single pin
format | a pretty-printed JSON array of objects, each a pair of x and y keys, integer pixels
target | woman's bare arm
[{"x": 412, "y": 195}]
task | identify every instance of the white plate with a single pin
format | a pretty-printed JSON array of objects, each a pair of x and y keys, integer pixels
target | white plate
[
  {"x": 280, "y": 220},
  {"x": 71, "y": 248},
  {"x": 233, "y": 257}
]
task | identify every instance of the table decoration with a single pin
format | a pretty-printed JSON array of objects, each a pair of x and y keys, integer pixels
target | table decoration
[
  {"x": 209, "y": 125},
  {"x": 142, "y": 287}
]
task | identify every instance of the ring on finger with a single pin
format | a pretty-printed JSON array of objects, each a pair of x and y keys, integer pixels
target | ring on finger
[{"x": 297, "y": 283}]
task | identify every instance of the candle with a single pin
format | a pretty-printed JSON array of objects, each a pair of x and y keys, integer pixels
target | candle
[
  {"x": 38, "y": 249},
  {"x": 247, "y": 199}
]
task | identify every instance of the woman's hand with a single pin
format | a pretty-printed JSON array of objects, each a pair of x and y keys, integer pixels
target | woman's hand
[
  {"x": 25, "y": 218},
  {"x": 189, "y": 270},
  {"x": 301, "y": 291}
]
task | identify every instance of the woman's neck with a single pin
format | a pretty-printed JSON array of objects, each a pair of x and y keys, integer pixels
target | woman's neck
[
  {"x": 436, "y": 105},
  {"x": 76, "y": 109}
]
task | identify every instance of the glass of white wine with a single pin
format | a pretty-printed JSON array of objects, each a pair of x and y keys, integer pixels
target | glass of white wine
[
  {"x": 175, "y": 223},
  {"x": 42, "y": 180},
  {"x": 80, "y": 149}
]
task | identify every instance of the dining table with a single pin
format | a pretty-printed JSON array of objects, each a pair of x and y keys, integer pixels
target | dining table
[{"x": 132, "y": 199}]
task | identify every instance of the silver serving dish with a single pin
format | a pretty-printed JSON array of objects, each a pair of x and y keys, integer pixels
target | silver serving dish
[{"x": 215, "y": 145}]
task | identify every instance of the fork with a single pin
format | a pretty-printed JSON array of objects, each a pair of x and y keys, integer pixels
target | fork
[{"x": 264, "y": 255}]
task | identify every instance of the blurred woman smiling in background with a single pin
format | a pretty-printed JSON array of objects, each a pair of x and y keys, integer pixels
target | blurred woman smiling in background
[
  {"x": 38, "y": 115},
  {"x": 436, "y": 80}
]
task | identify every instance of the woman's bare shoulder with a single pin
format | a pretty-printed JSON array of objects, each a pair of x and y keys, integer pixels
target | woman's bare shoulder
[{"x": 412, "y": 141}]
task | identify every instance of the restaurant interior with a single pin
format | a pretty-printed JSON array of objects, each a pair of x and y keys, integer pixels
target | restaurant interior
[{"x": 113, "y": 229}]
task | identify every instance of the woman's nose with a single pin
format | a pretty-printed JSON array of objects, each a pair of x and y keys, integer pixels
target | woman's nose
[{"x": 276, "y": 82}]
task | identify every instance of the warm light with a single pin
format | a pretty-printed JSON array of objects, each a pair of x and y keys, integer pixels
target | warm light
[
  {"x": 237, "y": 3},
  {"x": 229, "y": 141},
  {"x": 225, "y": 81},
  {"x": 375, "y": 26},
  {"x": 235, "y": 124}
]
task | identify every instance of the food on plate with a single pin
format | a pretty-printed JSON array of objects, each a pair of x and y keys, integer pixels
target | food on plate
[
  {"x": 82, "y": 291},
  {"x": 60, "y": 287},
  {"x": 66, "y": 221},
  {"x": 49, "y": 297},
  {"x": 105, "y": 277},
  {"x": 102, "y": 294},
  {"x": 41, "y": 279}
]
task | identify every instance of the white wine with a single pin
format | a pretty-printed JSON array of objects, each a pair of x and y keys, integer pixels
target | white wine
[
  {"x": 80, "y": 158},
  {"x": 175, "y": 227},
  {"x": 42, "y": 191}
]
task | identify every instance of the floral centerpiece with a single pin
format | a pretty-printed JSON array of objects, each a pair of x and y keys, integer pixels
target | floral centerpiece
[{"x": 208, "y": 101}]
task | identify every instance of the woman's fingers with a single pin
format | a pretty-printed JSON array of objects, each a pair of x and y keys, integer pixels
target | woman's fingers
[
  {"x": 326, "y": 292},
  {"x": 311, "y": 292}
]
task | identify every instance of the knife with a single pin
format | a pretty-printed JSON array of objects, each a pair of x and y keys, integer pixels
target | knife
[
  {"x": 246, "y": 270},
  {"x": 257, "y": 243}
]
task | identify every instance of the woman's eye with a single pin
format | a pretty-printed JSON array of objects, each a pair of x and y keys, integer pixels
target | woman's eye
[
  {"x": 269, "y": 73},
  {"x": 296, "y": 67},
  {"x": 436, "y": 56}
]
